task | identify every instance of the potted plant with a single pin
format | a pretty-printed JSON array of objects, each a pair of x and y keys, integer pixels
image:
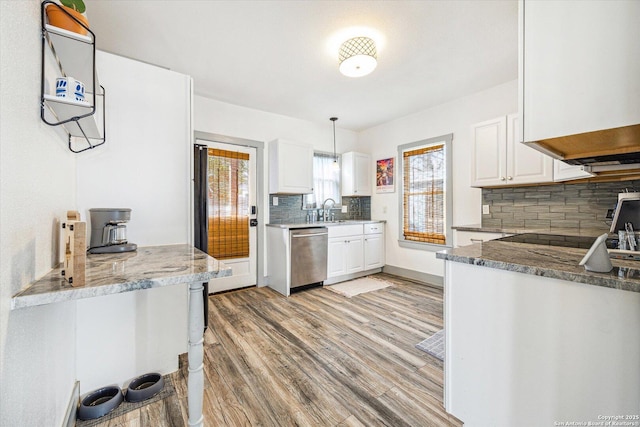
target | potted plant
[{"x": 61, "y": 16}]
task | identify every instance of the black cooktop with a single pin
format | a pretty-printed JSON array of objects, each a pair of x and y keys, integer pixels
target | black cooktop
[{"x": 557, "y": 240}]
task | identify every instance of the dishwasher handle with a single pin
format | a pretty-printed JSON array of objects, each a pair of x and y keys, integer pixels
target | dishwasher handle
[{"x": 309, "y": 235}]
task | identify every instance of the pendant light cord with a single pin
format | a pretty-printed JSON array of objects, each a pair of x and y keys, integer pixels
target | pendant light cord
[{"x": 335, "y": 157}]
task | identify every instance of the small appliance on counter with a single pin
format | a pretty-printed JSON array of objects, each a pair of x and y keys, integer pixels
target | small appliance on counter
[{"x": 109, "y": 232}]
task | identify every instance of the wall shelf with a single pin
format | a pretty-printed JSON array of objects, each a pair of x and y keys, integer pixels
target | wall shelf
[{"x": 75, "y": 56}]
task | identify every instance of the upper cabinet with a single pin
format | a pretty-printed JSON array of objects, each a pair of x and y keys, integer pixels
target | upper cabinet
[
  {"x": 290, "y": 167},
  {"x": 356, "y": 174},
  {"x": 498, "y": 158},
  {"x": 578, "y": 72}
]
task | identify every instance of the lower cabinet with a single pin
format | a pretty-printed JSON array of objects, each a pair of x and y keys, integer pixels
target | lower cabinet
[{"x": 353, "y": 249}]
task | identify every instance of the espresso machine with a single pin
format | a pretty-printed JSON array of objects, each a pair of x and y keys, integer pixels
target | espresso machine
[{"x": 109, "y": 232}]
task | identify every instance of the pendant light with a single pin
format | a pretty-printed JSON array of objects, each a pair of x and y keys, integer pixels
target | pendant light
[{"x": 336, "y": 165}]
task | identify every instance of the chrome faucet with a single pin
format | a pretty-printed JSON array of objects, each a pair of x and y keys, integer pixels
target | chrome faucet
[{"x": 326, "y": 211}]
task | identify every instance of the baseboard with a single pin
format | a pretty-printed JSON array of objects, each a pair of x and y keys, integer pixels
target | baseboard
[
  {"x": 414, "y": 275},
  {"x": 351, "y": 276},
  {"x": 69, "y": 419}
]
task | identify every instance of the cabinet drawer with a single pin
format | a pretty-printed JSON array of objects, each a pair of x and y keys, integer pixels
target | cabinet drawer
[
  {"x": 376, "y": 228},
  {"x": 345, "y": 230}
]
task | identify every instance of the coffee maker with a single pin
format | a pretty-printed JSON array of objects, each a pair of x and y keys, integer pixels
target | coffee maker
[{"x": 109, "y": 232}]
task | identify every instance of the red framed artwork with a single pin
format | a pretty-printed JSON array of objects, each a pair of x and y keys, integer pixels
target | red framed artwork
[{"x": 385, "y": 175}]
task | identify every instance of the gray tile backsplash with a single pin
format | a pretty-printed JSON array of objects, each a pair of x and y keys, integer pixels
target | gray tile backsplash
[
  {"x": 289, "y": 209},
  {"x": 553, "y": 206}
]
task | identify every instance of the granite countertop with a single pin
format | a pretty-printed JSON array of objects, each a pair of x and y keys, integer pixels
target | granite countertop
[
  {"x": 548, "y": 261},
  {"x": 106, "y": 274},
  {"x": 324, "y": 224},
  {"x": 584, "y": 232}
]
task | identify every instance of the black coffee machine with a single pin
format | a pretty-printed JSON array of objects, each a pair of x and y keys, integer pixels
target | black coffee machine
[{"x": 109, "y": 232}]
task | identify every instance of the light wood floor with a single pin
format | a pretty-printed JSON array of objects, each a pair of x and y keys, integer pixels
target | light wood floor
[{"x": 315, "y": 359}]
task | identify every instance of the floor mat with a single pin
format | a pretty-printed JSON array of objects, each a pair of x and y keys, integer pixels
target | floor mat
[
  {"x": 359, "y": 286},
  {"x": 434, "y": 345}
]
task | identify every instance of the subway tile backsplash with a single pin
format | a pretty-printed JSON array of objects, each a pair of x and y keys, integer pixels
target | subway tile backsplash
[
  {"x": 289, "y": 209},
  {"x": 553, "y": 206}
]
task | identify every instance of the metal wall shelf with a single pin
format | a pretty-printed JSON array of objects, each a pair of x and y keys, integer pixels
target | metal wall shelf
[{"x": 75, "y": 56}]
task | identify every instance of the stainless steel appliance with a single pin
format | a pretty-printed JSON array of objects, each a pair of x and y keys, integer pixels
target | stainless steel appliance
[
  {"x": 109, "y": 232},
  {"x": 308, "y": 255}
]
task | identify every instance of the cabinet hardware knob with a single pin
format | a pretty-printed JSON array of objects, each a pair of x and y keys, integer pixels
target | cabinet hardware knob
[
  {"x": 502, "y": 178},
  {"x": 510, "y": 178}
]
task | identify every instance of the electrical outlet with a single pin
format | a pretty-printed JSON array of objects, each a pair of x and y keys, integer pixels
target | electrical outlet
[
  {"x": 275, "y": 201},
  {"x": 345, "y": 209},
  {"x": 485, "y": 209}
]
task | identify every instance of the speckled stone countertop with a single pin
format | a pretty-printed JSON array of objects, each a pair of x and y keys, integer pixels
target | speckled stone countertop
[
  {"x": 324, "y": 224},
  {"x": 585, "y": 232},
  {"x": 548, "y": 261},
  {"x": 106, "y": 274}
]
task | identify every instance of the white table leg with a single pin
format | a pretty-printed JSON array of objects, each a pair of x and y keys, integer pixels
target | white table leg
[{"x": 195, "y": 384}]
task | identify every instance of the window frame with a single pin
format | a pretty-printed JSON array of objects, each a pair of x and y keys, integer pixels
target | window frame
[{"x": 448, "y": 193}]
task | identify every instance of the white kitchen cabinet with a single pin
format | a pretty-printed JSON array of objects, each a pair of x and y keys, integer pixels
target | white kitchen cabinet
[
  {"x": 373, "y": 245},
  {"x": 290, "y": 167},
  {"x": 345, "y": 252},
  {"x": 498, "y": 158},
  {"x": 354, "y": 250},
  {"x": 579, "y": 67},
  {"x": 565, "y": 172},
  {"x": 356, "y": 174}
]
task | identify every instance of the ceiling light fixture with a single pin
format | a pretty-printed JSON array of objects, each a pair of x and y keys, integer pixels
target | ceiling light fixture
[
  {"x": 336, "y": 165},
  {"x": 357, "y": 57}
]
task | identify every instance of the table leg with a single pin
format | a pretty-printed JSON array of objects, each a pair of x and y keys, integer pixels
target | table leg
[{"x": 195, "y": 384}]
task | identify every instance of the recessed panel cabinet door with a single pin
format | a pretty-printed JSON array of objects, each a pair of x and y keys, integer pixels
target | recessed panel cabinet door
[
  {"x": 489, "y": 153},
  {"x": 524, "y": 164},
  {"x": 373, "y": 251},
  {"x": 354, "y": 254},
  {"x": 336, "y": 257}
]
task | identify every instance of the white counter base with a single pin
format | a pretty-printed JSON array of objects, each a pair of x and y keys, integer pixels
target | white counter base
[{"x": 527, "y": 350}]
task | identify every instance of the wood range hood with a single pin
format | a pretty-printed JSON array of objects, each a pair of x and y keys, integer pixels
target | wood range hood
[{"x": 613, "y": 151}]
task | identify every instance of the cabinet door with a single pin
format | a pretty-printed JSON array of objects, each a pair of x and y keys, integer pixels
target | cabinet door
[
  {"x": 489, "y": 153},
  {"x": 579, "y": 66},
  {"x": 354, "y": 254},
  {"x": 336, "y": 257},
  {"x": 356, "y": 174},
  {"x": 373, "y": 251},
  {"x": 290, "y": 168},
  {"x": 524, "y": 164},
  {"x": 362, "y": 163},
  {"x": 565, "y": 172}
]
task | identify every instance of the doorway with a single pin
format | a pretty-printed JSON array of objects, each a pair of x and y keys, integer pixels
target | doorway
[{"x": 228, "y": 210}]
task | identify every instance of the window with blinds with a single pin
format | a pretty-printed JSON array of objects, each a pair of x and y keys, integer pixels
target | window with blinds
[
  {"x": 426, "y": 191},
  {"x": 228, "y": 176}
]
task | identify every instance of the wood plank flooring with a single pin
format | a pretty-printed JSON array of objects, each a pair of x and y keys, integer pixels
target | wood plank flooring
[{"x": 315, "y": 359}]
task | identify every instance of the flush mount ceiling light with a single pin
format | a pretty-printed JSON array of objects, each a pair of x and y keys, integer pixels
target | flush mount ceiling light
[{"x": 357, "y": 57}]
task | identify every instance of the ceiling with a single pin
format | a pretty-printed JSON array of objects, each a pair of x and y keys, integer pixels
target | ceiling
[{"x": 281, "y": 56}]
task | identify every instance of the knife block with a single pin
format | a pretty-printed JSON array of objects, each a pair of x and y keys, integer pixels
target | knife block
[{"x": 75, "y": 257}]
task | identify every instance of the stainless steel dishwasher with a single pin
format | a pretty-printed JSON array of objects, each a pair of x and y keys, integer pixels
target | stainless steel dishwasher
[{"x": 308, "y": 255}]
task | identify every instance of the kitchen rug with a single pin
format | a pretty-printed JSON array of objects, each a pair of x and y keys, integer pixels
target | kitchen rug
[
  {"x": 167, "y": 391},
  {"x": 359, "y": 286},
  {"x": 434, "y": 345}
]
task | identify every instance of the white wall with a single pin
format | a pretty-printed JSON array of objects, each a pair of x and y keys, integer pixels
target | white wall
[
  {"x": 454, "y": 117},
  {"x": 217, "y": 117},
  {"x": 145, "y": 166},
  {"x": 37, "y": 186}
]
